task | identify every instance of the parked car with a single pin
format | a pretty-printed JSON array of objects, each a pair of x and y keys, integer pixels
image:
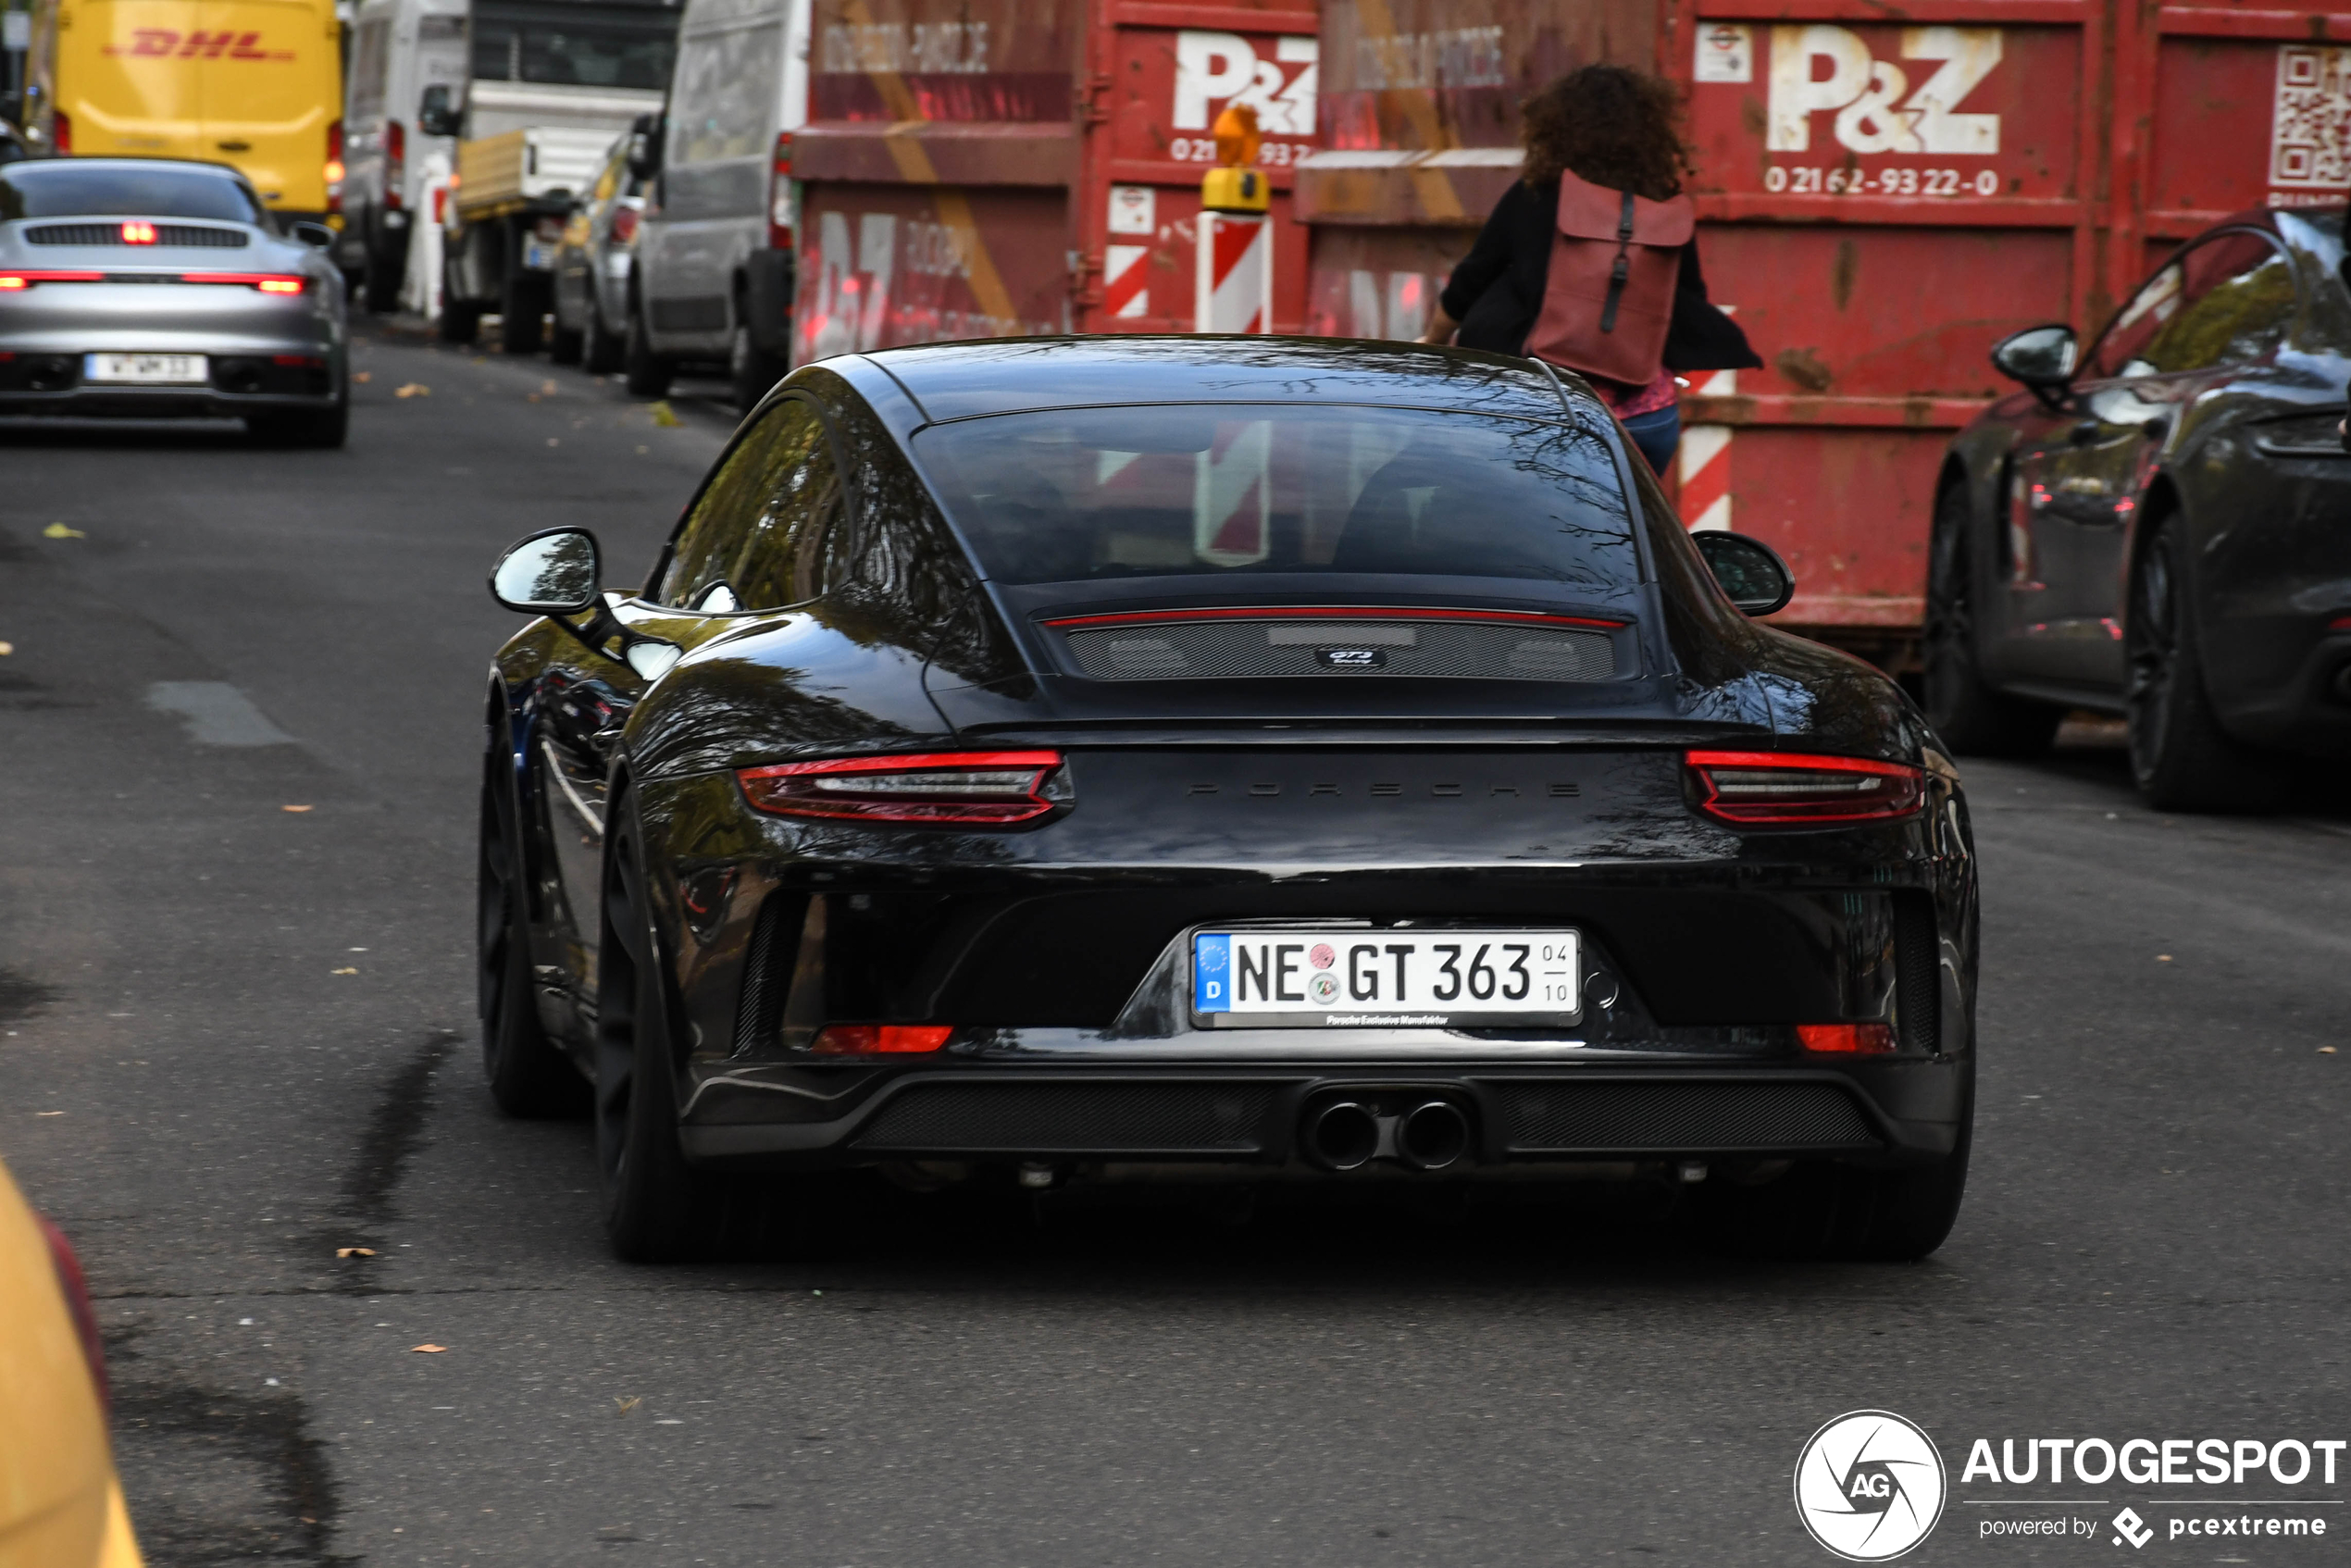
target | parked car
[
  {"x": 1342, "y": 765},
  {"x": 60, "y": 1501},
  {"x": 148, "y": 288},
  {"x": 714, "y": 268},
  {"x": 593, "y": 263},
  {"x": 399, "y": 48},
  {"x": 2155, "y": 527}
]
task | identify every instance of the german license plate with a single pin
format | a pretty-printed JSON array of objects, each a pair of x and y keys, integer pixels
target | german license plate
[
  {"x": 1408, "y": 979},
  {"x": 538, "y": 256},
  {"x": 145, "y": 369}
]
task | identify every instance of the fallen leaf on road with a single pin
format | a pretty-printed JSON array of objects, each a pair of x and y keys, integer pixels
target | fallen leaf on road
[
  {"x": 362, "y": 375},
  {"x": 48, "y": 1112},
  {"x": 2324, "y": 1051},
  {"x": 631, "y": 1403},
  {"x": 7, "y": 649},
  {"x": 553, "y": 441},
  {"x": 427, "y": 1350},
  {"x": 666, "y": 416},
  {"x": 2163, "y": 958},
  {"x": 296, "y": 808},
  {"x": 414, "y": 389},
  {"x": 58, "y": 531},
  {"x": 547, "y": 389},
  {"x": 355, "y": 1252},
  {"x": 346, "y": 971}
]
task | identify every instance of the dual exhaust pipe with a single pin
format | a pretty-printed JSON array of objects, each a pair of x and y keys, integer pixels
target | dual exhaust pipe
[{"x": 1343, "y": 1134}]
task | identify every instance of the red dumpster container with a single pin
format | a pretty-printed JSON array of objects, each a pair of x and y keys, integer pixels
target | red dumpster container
[
  {"x": 1882, "y": 193},
  {"x": 984, "y": 168}
]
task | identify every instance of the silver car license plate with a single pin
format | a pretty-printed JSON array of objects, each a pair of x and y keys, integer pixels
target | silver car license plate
[
  {"x": 1269, "y": 978},
  {"x": 145, "y": 369}
]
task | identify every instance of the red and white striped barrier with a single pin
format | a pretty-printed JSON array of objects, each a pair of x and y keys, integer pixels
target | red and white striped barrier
[
  {"x": 1705, "y": 458},
  {"x": 1126, "y": 281},
  {"x": 1233, "y": 283}
]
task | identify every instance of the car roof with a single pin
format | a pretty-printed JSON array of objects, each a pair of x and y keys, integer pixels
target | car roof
[
  {"x": 961, "y": 380},
  {"x": 201, "y": 165}
]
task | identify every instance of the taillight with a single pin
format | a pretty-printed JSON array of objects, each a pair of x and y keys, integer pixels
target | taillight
[
  {"x": 1788, "y": 788},
  {"x": 782, "y": 210},
  {"x": 333, "y": 169},
  {"x": 76, "y": 1290},
  {"x": 441, "y": 204},
  {"x": 395, "y": 166},
  {"x": 61, "y": 133},
  {"x": 138, "y": 233},
  {"x": 267, "y": 282},
  {"x": 869, "y": 1039},
  {"x": 14, "y": 281},
  {"x": 624, "y": 225},
  {"x": 1867, "y": 1040},
  {"x": 991, "y": 789}
]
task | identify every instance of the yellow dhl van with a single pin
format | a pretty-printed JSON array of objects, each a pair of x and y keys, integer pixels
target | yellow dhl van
[{"x": 255, "y": 83}]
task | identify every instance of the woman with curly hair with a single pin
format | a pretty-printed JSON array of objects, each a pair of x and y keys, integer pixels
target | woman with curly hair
[{"x": 1612, "y": 133}]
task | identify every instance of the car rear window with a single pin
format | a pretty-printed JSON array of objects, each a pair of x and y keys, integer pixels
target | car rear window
[
  {"x": 1231, "y": 489},
  {"x": 63, "y": 189}
]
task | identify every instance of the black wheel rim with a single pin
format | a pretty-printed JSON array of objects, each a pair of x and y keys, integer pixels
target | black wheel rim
[{"x": 2151, "y": 643}]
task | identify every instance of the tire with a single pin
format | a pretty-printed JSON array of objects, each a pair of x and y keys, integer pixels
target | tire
[
  {"x": 647, "y": 374},
  {"x": 529, "y": 1076},
  {"x": 1973, "y": 718},
  {"x": 522, "y": 311},
  {"x": 381, "y": 294},
  {"x": 1820, "y": 1210},
  {"x": 600, "y": 350},
  {"x": 751, "y": 369},
  {"x": 2181, "y": 758},
  {"x": 657, "y": 1208},
  {"x": 460, "y": 324},
  {"x": 315, "y": 428},
  {"x": 566, "y": 345}
]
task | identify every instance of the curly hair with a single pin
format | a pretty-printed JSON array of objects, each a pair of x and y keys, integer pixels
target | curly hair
[{"x": 1610, "y": 125}]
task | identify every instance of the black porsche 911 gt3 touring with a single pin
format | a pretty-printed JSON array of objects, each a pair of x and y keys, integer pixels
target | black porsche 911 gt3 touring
[{"x": 1079, "y": 761}]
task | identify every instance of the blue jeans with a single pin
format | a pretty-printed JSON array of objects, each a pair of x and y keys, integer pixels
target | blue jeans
[{"x": 1657, "y": 433}]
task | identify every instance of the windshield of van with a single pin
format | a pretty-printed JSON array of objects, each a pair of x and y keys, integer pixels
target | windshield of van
[
  {"x": 574, "y": 45},
  {"x": 61, "y": 188},
  {"x": 1230, "y": 489}
]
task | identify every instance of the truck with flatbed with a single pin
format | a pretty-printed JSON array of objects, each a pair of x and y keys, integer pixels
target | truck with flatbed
[{"x": 550, "y": 84}]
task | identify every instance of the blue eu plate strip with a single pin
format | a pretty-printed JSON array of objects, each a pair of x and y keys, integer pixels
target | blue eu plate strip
[{"x": 1211, "y": 974}]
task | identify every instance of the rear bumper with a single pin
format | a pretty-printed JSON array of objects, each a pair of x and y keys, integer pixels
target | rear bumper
[
  {"x": 156, "y": 402},
  {"x": 1888, "y": 1113}
]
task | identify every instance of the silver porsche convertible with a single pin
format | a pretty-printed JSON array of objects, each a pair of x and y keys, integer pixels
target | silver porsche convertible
[{"x": 147, "y": 288}]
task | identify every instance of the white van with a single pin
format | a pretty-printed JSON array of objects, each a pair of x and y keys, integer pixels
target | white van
[
  {"x": 714, "y": 269},
  {"x": 398, "y": 49}
]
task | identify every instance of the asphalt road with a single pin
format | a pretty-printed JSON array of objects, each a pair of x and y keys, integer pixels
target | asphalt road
[{"x": 239, "y": 1037}]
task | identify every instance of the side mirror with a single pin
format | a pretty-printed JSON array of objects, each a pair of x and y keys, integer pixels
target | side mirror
[
  {"x": 1750, "y": 572},
  {"x": 556, "y": 573},
  {"x": 2041, "y": 357},
  {"x": 310, "y": 233},
  {"x": 436, "y": 114}
]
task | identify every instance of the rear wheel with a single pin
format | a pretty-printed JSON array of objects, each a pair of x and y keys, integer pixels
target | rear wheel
[
  {"x": 1971, "y": 715},
  {"x": 564, "y": 345},
  {"x": 657, "y": 1208},
  {"x": 381, "y": 294},
  {"x": 529, "y": 1076},
  {"x": 460, "y": 322},
  {"x": 1816, "y": 1210},
  {"x": 324, "y": 428},
  {"x": 647, "y": 374},
  {"x": 600, "y": 348},
  {"x": 751, "y": 369},
  {"x": 2181, "y": 757},
  {"x": 522, "y": 308}
]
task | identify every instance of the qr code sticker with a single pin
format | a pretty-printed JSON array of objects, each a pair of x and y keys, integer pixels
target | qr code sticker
[{"x": 2311, "y": 131}]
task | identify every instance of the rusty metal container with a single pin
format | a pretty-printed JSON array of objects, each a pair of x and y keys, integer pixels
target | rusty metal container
[
  {"x": 1882, "y": 191},
  {"x": 1002, "y": 168}
]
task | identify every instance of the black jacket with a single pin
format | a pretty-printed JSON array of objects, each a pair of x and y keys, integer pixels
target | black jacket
[{"x": 1497, "y": 292}]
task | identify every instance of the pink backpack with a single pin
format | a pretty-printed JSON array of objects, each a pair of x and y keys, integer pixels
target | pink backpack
[{"x": 1608, "y": 300}]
